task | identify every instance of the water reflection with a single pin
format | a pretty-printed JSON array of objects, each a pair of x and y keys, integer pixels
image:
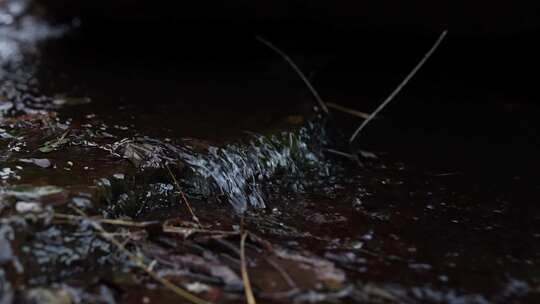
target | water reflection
[{"x": 20, "y": 33}]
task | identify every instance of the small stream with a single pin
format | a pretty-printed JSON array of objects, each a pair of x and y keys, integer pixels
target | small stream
[{"x": 429, "y": 211}]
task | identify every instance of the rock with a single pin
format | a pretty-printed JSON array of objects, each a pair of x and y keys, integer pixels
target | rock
[
  {"x": 40, "y": 162},
  {"x": 24, "y": 207}
]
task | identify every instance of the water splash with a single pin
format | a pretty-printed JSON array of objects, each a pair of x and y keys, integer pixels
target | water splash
[
  {"x": 234, "y": 172},
  {"x": 237, "y": 171}
]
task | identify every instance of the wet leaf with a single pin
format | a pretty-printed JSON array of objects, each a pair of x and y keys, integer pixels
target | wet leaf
[
  {"x": 6, "y": 236},
  {"x": 206, "y": 264},
  {"x": 372, "y": 292},
  {"x": 48, "y": 296},
  {"x": 54, "y": 144},
  {"x": 5, "y": 135},
  {"x": 25, "y": 192},
  {"x": 25, "y": 207},
  {"x": 142, "y": 154},
  {"x": 197, "y": 287},
  {"x": 324, "y": 271},
  {"x": 40, "y": 162},
  {"x": 327, "y": 297}
]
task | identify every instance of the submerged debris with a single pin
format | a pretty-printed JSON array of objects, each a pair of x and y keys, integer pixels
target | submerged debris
[
  {"x": 40, "y": 162},
  {"x": 233, "y": 172},
  {"x": 55, "y": 144},
  {"x": 116, "y": 213},
  {"x": 25, "y": 192},
  {"x": 24, "y": 207}
]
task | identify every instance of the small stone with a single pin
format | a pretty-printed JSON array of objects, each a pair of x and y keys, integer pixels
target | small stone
[
  {"x": 197, "y": 287},
  {"x": 25, "y": 207},
  {"x": 40, "y": 162}
]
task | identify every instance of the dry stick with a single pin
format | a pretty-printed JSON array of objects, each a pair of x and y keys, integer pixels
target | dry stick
[
  {"x": 344, "y": 154},
  {"x": 250, "y": 298},
  {"x": 283, "y": 274},
  {"x": 400, "y": 86},
  {"x": 140, "y": 262},
  {"x": 106, "y": 221},
  {"x": 298, "y": 71},
  {"x": 184, "y": 198},
  {"x": 347, "y": 110},
  {"x": 281, "y": 294},
  {"x": 185, "y": 230}
]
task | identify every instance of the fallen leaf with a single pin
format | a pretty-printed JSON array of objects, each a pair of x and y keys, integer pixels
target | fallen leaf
[
  {"x": 24, "y": 192},
  {"x": 54, "y": 144},
  {"x": 25, "y": 207},
  {"x": 40, "y": 162}
]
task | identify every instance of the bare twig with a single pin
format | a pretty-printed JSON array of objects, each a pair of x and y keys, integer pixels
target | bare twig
[
  {"x": 322, "y": 104},
  {"x": 184, "y": 198},
  {"x": 400, "y": 86},
  {"x": 446, "y": 174},
  {"x": 106, "y": 221},
  {"x": 283, "y": 273},
  {"x": 139, "y": 261},
  {"x": 280, "y": 295},
  {"x": 344, "y": 154},
  {"x": 250, "y": 298},
  {"x": 347, "y": 110},
  {"x": 186, "y": 230}
]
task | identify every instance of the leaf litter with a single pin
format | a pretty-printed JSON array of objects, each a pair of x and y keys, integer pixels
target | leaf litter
[{"x": 96, "y": 254}]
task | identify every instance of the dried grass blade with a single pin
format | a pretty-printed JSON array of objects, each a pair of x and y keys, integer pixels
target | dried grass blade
[
  {"x": 250, "y": 298},
  {"x": 343, "y": 109},
  {"x": 400, "y": 86},
  {"x": 184, "y": 198},
  {"x": 314, "y": 92},
  {"x": 138, "y": 260}
]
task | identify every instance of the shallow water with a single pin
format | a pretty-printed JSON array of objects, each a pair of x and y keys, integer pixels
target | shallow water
[{"x": 445, "y": 213}]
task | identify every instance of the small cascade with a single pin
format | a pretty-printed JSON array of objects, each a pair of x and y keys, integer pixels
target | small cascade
[{"x": 234, "y": 172}]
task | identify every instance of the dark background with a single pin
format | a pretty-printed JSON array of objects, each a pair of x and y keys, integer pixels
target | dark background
[
  {"x": 465, "y": 17},
  {"x": 491, "y": 47}
]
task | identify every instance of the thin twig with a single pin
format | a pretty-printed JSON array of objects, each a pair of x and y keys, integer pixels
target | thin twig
[
  {"x": 344, "y": 154},
  {"x": 189, "y": 231},
  {"x": 250, "y": 298},
  {"x": 106, "y": 221},
  {"x": 280, "y": 295},
  {"x": 446, "y": 174},
  {"x": 347, "y": 110},
  {"x": 180, "y": 230},
  {"x": 322, "y": 104},
  {"x": 400, "y": 86},
  {"x": 138, "y": 260},
  {"x": 283, "y": 273},
  {"x": 184, "y": 198}
]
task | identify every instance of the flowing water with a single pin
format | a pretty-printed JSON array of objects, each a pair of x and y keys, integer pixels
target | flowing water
[{"x": 431, "y": 214}]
